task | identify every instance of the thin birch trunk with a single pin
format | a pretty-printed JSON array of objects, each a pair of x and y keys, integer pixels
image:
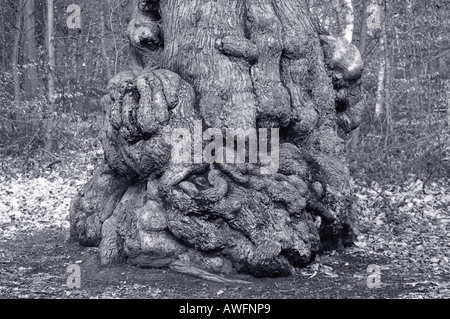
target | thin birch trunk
[
  {"x": 347, "y": 34},
  {"x": 381, "y": 74},
  {"x": 50, "y": 78}
]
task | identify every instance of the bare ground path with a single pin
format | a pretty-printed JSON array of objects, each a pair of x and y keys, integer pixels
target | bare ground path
[{"x": 35, "y": 267}]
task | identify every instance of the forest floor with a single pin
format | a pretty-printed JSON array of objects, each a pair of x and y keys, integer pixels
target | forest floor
[{"x": 404, "y": 232}]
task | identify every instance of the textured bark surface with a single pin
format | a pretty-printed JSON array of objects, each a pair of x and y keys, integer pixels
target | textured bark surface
[{"x": 228, "y": 64}]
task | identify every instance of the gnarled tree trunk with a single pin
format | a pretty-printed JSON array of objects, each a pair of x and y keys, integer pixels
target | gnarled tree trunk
[{"x": 210, "y": 70}]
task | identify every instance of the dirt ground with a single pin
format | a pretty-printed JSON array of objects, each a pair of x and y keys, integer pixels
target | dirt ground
[
  {"x": 403, "y": 232},
  {"x": 35, "y": 267}
]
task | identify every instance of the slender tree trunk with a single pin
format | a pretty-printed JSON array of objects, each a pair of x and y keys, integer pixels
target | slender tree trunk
[
  {"x": 381, "y": 77},
  {"x": 387, "y": 82},
  {"x": 79, "y": 72},
  {"x": 380, "y": 97},
  {"x": 355, "y": 135},
  {"x": 86, "y": 70},
  {"x": 364, "y": 28},
  {"x": 447, "y": 96},
  {"x": 32, "y": 82},
  {"x": 15, "y": 57},
  {"x": 103, "y": 42},
  {"x": 337, "y": 12},
  {"x": 3, "y": 31},
  {"x": 78, "y": 43},
  {"x": 50, "y": 76},
  {"x": 349, "y": 20}
]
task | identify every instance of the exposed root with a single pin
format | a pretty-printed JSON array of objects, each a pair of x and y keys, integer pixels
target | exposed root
[{"x": 199, "y": 273}]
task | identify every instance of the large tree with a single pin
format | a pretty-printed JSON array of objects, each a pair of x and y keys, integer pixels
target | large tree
[{"x": 207, "y": 67}]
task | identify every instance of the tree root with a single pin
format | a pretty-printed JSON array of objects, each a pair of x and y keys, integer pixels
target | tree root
[{"x": 202, "y": 274}]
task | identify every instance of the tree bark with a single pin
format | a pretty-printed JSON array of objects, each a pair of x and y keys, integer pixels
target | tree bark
[
  {"x": 388, "y": 79},
  {"x": 3, "y": 31},
  {"x": 448, "y": 106},
  {"x": 77, "y": 82},
  {"x": 210, "y": 68},
  {"x": 50, "y": 77},
  {"x": 105, "y": 57},
  {"x": 364, "y": 28},
  {"x": 355, "y": 135},
  {"x": 379, "y": 95},
  {"x": 15, "y": 57},
  {"x": 32, "y": 80},
  {"x": 349, "y": 20}
]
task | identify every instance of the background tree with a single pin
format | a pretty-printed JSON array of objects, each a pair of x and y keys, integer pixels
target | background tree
[
  {"x": 81, "y": 71},
  {"x": 405, "y": 135},
  {"x": 406, "y": 124},
  {"x": 15, "y": 54},
  {"x": 50, "y": 76},
  {"x": 32, "y": 83}
]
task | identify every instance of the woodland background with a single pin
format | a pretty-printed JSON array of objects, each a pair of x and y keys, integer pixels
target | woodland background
[
  {"x": 50, "y": 116},
  {"x": 405, "y": 46}
]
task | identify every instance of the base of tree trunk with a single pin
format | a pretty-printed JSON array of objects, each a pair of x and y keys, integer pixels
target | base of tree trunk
[{"x": 251, "y": 230}]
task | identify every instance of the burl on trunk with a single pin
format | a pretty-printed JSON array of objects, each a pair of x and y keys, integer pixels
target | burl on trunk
[{"x": 222, "y": 147}]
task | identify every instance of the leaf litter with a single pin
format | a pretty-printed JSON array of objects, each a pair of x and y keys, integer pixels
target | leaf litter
[{"x": 401, "y": 226}]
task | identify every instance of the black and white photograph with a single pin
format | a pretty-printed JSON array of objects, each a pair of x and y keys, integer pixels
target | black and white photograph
[{"x": 224, "y": 155}]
